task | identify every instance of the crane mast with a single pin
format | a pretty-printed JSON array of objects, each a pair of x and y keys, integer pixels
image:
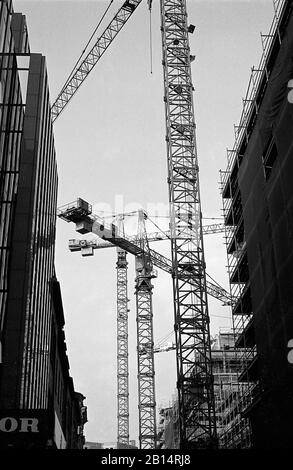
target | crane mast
[
  {"x": 193, "y": 348},
  {"x": 145, "y": 341},
  {"x": 122, "y": 349}
]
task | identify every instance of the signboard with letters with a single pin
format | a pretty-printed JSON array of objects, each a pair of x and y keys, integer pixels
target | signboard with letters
[{"x": 26, "y": 429}]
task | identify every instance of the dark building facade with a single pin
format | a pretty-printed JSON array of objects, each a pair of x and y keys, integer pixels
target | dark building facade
[
  {"x": 34, "y": 370},
  {"x": 257, "y": 195},
  {"x": 11, "y": 125}
]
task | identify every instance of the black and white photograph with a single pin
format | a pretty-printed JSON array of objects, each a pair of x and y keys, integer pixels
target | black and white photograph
[{"x": 146, "y": 229}]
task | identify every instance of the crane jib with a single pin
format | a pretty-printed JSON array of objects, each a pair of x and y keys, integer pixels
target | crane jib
[
  {"x": 84, "y": 67},
  {"x": 130, "y": 4}
]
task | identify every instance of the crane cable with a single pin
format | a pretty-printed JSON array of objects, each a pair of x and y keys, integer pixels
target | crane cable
[
  {"x": 168, "y": 217},
  {"x": 87, "y": 44},
  {"x": 151, "y": 38},
  {"x": 165, "y": 338},
  {"x": 160, "y": 230}
]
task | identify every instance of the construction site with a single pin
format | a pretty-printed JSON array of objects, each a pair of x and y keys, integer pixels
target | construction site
[{"x": 163, "y": 257}]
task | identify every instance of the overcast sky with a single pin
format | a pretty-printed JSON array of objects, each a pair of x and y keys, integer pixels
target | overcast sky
[{"x": 110, "y": 144}]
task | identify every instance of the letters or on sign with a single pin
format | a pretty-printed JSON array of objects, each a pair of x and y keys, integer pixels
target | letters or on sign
[{"x": 10, "y": 424}]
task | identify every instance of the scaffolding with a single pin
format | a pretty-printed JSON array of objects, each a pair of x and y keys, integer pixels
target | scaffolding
[
  {"x": 226, "y": 365},
  {"x": 248, "y": 385},
  {"x": 168, "y": 426},
  {"x": 256, "y": 87}
]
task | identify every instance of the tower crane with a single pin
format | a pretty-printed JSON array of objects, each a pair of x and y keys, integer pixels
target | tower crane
[
  {"x": 80, "y": 212},
  {"x": 86, "y": 248},
  {"x": 197, "y": 420}
]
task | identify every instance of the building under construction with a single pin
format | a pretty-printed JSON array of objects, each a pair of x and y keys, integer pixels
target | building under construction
[
  {"x": 258, "y": 211},
  {"x": 226, "y": 365}
]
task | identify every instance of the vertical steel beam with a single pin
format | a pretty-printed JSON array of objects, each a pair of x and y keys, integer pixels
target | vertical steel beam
[
  {"x": 122, "y": 349},
  {"x": 193, "y": 349}
]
